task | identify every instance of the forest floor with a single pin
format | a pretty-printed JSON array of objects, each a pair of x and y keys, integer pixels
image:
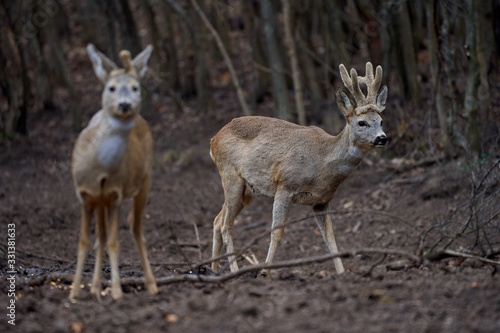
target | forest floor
[{"x": 378, "y": 206}]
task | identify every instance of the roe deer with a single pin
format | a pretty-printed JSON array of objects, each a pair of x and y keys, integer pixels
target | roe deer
[
  {"x": 295, "y": 164},
  {"x": 112, "y": 161}
]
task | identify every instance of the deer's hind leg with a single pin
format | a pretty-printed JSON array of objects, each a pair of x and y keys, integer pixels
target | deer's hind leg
[
  {"x": 217, "y": 238},
  {"x": 135, "y": 221},
  {"x": 233, "y": 201}
]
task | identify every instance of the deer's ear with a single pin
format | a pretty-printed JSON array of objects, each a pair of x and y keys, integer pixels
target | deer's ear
[
  {"x": 344, "y": 103},
  {"x": 382, "y": 98},
  {"x": 140, "y": 62},
  {"x": 102, "y": 65}
]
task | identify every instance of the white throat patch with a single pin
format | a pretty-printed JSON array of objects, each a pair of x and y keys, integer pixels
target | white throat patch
[
  {"x": 113, "y": 147},
  {"x": 111, "y": 151},
  {"x": 356, "y": 153},
  {"x": 120, "y": 124}
]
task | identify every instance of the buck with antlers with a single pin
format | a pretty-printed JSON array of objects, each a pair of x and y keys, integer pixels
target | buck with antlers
[
  {"x": 295, "y": 164},
  {"x": 112, "y": 161}
]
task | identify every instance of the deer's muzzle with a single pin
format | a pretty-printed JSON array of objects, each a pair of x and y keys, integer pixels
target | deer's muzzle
[
  {"x": 124, "y": 107},
  {"x": 380, "y": 140}
]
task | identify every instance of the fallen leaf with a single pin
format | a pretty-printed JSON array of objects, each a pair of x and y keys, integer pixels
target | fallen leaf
[
  {"x": 77, "y": 327},
  {"x": 348, "y": 204},
  {"x": 171, "y": 318}
]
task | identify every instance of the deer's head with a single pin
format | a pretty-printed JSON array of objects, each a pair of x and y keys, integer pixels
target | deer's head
[
  {"x": 121, "y": 97},
  {"x": 363, "y": 116}
]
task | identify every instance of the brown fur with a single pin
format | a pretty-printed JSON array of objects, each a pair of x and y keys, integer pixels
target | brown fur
[
  {"x": 112, "y": 161},
  {"x": 260, "y": 156}
]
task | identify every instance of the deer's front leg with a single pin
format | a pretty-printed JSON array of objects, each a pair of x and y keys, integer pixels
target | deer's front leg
[
  {"x": 83, "y": 249},
  {"x": 113, "y": 248},
  {"x": 324, "y": 222},
  {"x": 135, "y": 221},
  {"x": 99, "y": 248},
  {"x": 280, "y": 210}
]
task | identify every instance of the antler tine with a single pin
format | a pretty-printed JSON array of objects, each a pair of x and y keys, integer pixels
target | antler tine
[
  {"x": 345, "y": 76},
  {"x": 368, "y": 73},
  {"x": 373, "y": 83},
  {"x": 355, "y": 89},
  {"x": 352, "y": 83},
  {"x": 127, "y": 62}
]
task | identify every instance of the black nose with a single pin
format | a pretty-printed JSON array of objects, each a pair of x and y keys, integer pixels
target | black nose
[
  {"x": 380, "y": 140},
  {"x": 125, "y": 107}
]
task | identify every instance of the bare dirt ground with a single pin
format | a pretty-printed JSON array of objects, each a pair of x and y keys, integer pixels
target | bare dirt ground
[{"x": 376, "y": 207}]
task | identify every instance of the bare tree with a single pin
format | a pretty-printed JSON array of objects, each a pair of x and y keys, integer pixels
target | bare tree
[
  {"x": 292, "y": 53},
  {"x": 220, "y": 44},
  {"x": 280, "y": 92}
]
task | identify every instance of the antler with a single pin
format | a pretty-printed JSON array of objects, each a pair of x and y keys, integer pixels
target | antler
[
  {"x": 127, "y": 62},
  {"x": 372, "y": 84}
]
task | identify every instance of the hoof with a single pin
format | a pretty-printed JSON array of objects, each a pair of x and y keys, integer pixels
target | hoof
[
  {"x": 117, "y": 293},
  {"x": 152, "y": 289},
  {"x": 265, "y": 273}
]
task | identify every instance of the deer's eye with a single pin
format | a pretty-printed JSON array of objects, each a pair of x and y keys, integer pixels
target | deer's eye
[
  {"x": 134, "y": 88},
  {"x": 362, "y": 123},
  {"x": 112, "y": 89},
  {"x": 381, "y": 122}
]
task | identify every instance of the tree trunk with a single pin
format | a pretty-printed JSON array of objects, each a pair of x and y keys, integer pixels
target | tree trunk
[
  {"x": 280, "y": 93},
  {"x": 292, "y": 54},
  {"x": 334, "y": 10},
  {"x": 407, "y": 57},
  {"x": 436, "y": 77},
  {"x": 260, "y": 79},
  {"x": 108, "y": 14},
  {"x": 229, "y": 64},
  {"x": 484, "y": 49},
  {"x": 470, "y": 102},
  {"x": 202, "y": 77},
  {"x": 186, "y": 76},
  {"x": 129, "y": 31},
  {"x": 62, "y": 73},
  {"x": 220, "y": 23}
]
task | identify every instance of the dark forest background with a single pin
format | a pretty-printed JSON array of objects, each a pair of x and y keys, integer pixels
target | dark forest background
[{"x": 440, "y": 61}]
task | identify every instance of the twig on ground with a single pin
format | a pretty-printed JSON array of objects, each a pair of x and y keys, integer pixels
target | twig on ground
[
  {"x": 450, "y": 253},
  {"x": 244, "y": 270},
  {"x": 252, "y": 259},
  {"x": 200, "y": 255},
  {"x": 378, "y": 262},
  {"x": 37, "y": 256}
]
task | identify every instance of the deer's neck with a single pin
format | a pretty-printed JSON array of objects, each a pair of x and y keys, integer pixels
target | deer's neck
[
  {"x": 113, "y": 144},
  {"x": 344, "y": 156}
]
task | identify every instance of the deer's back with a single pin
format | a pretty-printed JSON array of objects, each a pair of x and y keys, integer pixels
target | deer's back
[{"x": 268, "y": 153}]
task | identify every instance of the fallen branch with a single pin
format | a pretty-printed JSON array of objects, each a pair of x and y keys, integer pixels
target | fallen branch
[
  {"x": 282, "y": 264},
  {"x": 447, "y": 253},
  {"x": 266, "y": 233},
  {"x": 36, "y": 256},
  {"x": 67, "y": 278}
]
